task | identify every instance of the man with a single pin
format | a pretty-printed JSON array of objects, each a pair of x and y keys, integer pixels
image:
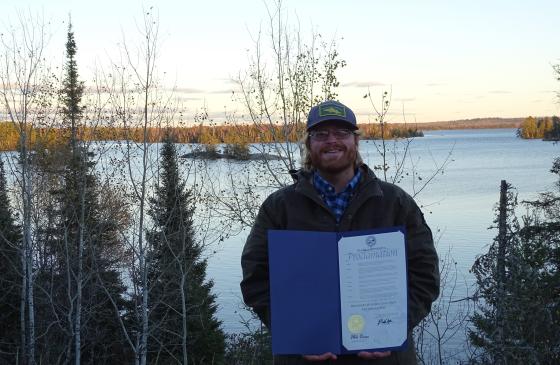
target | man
[{"x": 336, "y": 191}]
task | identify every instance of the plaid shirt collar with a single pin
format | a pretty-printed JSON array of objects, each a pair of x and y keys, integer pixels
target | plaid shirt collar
[{"x": 337, "y": 202}]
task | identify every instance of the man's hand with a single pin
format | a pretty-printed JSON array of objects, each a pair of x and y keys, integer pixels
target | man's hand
[
  {"x": 373, "y": 355},
  {"x": 324, "y": 357},
  {"x": 363, "y": 354}
]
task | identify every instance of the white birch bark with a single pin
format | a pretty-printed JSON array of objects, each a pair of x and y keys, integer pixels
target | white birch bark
[
  {"x": 21, "y": 74},
  {"x": 143, "y": 73}
]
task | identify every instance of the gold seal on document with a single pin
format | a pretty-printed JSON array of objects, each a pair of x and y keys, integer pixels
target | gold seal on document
[{"x": 356, "y": 323}]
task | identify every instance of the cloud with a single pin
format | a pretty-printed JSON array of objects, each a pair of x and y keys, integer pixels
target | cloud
[
  {"x": 499, "y": 92},
  {"x": 400, "y": 114},
  {"x": 467, "y": 101},
  {"x": 228, "y": 81},
  {"x": 369, "y": 116},
  {"x": 362, "y": 84},
  {"x": 188, "y": 90},
  {"x": 216, "y": 115},
  {"x": 224, "y": 91},
  {"x": 187, "y": 98}
]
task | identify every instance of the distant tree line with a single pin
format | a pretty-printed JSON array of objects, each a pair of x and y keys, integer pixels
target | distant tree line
[
  {"x": 547, "y": 128},
  {"x": 207, "y": 135}
]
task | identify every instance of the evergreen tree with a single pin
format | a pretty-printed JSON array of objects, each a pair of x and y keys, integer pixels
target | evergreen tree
[
  {"x": 100, "y": 231},
  {"x": 81, "y": 279},
  {"x": 518, "y": 321},
  {"x": 541, "y": 250},
  {"x": 10, "y": 279},
  {"x": 72, "y": 88},
  {"x": 181, "y": 302},
  {"x": 554, "y": 133}
]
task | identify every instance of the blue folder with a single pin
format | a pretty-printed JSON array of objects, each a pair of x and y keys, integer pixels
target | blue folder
[{"x": 305, "y": 292}]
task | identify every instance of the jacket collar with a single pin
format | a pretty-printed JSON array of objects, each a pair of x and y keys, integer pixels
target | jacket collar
[{"x": 368, "y": 186}]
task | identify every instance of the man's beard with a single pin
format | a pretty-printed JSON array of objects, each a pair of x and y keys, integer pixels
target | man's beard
[{"x": 322, "y": 162}]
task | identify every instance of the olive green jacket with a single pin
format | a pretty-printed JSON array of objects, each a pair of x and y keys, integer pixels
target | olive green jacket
[{"x": 374, "y": 204}]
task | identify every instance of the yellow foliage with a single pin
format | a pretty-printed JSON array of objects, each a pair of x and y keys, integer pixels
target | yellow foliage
[
  {"x": 239, "y": 135},
  {"x": 532, "y": 128}
]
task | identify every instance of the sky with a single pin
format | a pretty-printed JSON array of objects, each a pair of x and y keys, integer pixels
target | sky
[{"x": 441, "y": 60}]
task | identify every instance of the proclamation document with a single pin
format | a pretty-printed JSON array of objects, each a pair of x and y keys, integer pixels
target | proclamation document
[{"x": 373, "y": 291}]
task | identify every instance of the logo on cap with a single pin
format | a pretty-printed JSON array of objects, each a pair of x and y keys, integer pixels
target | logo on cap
[{"x": 332, "y": 111}]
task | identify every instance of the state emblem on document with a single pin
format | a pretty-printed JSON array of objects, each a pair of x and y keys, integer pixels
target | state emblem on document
[{"x": 371, "y": 241}]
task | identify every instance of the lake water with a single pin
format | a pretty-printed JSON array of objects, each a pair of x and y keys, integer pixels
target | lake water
[{"x": 458, "y": 204}]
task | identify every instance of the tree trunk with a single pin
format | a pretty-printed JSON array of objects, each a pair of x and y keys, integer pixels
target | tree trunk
[
  {"x": 28, "y": 249},
  {"x": 142, "y": 248},
  {"x": 21, "y": 69},
  {"x": 500, "y": 269},
  {"x": 79, "y": 274},
  {"x": 23, "y": 301},
  {"x": 184, "y": 315}
]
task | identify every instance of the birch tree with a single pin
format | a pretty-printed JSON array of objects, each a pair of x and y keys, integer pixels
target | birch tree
[
  {"x": 287, "y": 73},
  {"x": 137, "y": 104},
  {"x": 27, "y": 100}
]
